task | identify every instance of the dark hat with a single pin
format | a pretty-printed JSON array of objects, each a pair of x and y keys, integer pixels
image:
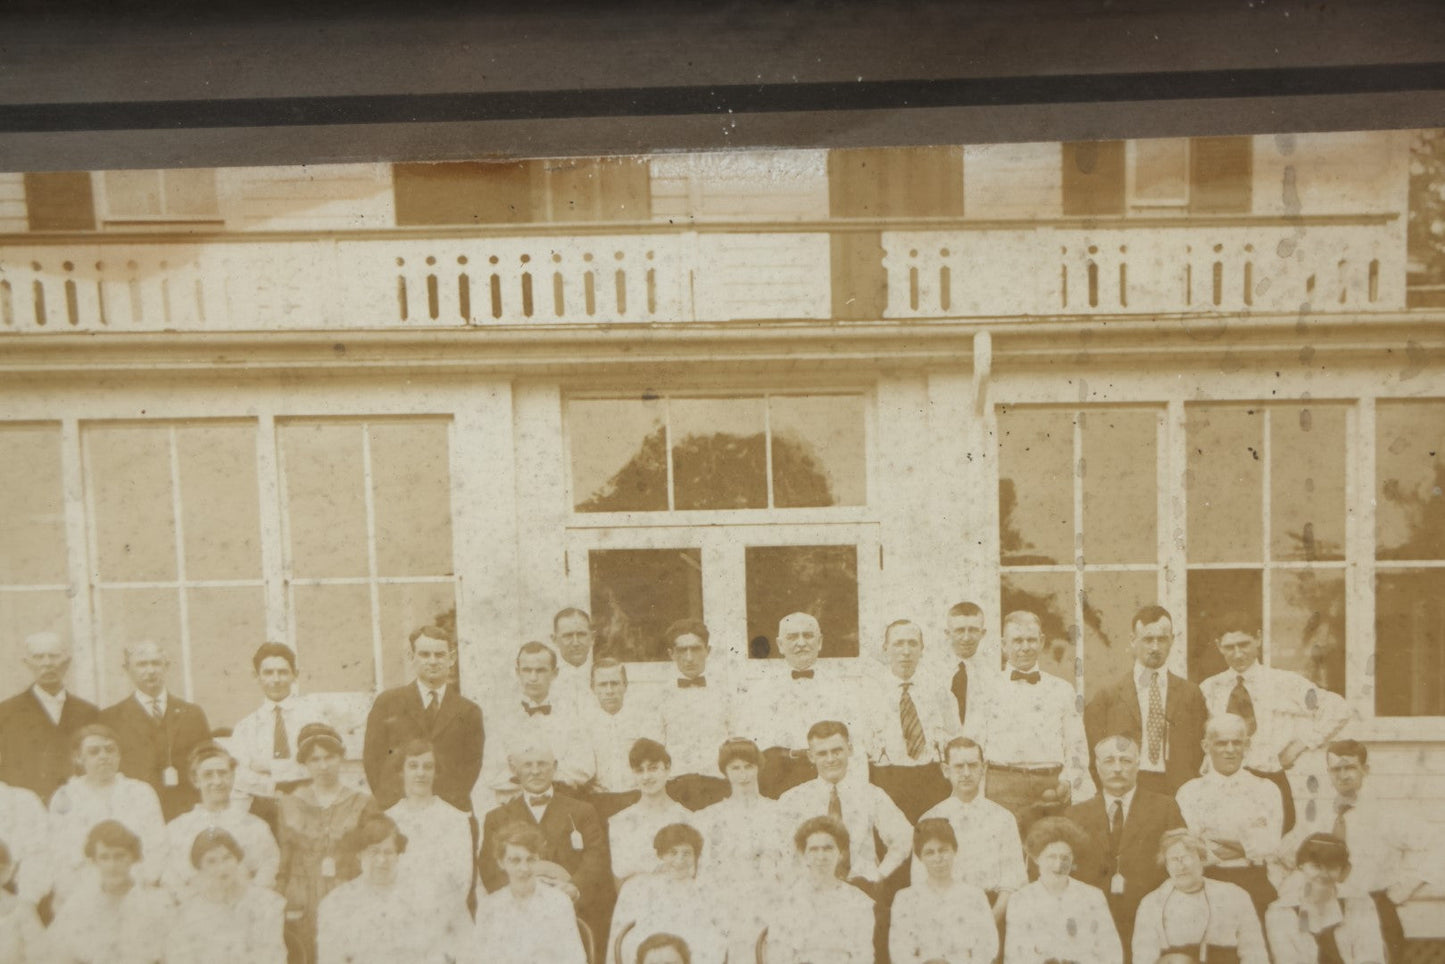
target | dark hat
[{"x": 317, "y": 734}]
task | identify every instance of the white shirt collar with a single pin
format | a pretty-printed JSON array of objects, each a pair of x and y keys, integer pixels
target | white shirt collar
[
  {"x": 53, "y": 704},
  {"x": 1141, "y": 676},
  {"x": 426, "y": 691},
  {"x": 270, "y": 705},
  {"x": 1127, "y": 799}
]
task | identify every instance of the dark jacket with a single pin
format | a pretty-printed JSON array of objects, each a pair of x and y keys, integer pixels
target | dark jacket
[
  {"x": 34, "y": 752},
  {"x": 1150, "y": 814},
  {"x": 566, "y": 823},
  {"x": 398, "y": 717},
  {"x": 149, "y": 746},
  {"x": 1114, "y": 711}
]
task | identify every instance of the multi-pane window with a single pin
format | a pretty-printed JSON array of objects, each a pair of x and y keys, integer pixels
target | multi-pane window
[
  {"x": 1196, "y": 175},
  {"x": 368, "y": 542},
  {"x": 682, "y": 454},
  {"x": 187, "y": 194},
  {"x": 1409, "y": 663},
  {"x": 643, "y": 470},
  {"x": 34, "y": 579},
  {"x": 175, "y": 552},
  {"x": 1079, "y": 529},
  {"x": 1266, "y": 505}
]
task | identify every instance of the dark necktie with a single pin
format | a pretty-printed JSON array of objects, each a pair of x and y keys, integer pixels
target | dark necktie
[
  {"x": 1240, "y": 703},
  {"x": 1030, "y": 678},
  {"x": 835, "y": 804},
  {"x": 1342, "y": 807},
  {"x": 912, "y": 725},
  {"x": 542, "y": 801},
  {"x": 960, "y": 690},
  {"x": 157, "y": 713},
  {"x": 1329, "y": 947},
  {"x": 544, "y": 708},
  {"x": 802, "y": 674},
  {"x": 1116, "y": 825},
  {"x": 685, "y": 683},
  {"x": 280, "y": 744},
  {"x": 1154, "y": 726},
  {"x": 433, "y": 707}
]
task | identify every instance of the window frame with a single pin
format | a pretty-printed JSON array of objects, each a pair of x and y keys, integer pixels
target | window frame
[{"x": 108, "y": 219}]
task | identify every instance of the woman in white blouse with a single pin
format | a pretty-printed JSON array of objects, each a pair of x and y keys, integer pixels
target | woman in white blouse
[
  {"x": 670, "y": 901},
  {"x": 99, "y": 792},
  {"x": 824, "y": 919},
  {"x": 213, "y": 773},
  {"x": 529, "y": 920},
  {"x": 109, "y": 918},
  {"x": 1191, "y": 917},
  {"x": 439, "y": 836},
  {"x": 1057, "y": 918},
  {"x": 225, "y": 916},
  {"x": 1318, "y": 917},
  {"x": 939, "y": 918}
]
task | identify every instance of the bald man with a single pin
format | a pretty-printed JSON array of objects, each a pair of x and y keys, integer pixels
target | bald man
[
  {"x": 156, "y": 730},
  {"x": 795, "y": 693},
  {"x": 37, "y": 724}
]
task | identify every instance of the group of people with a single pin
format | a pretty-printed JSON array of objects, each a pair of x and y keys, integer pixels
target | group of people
[{"x": 814, "y": 815}]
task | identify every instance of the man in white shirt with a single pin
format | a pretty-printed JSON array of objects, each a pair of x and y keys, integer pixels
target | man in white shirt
[
  {"x": 991, "y": 854},
  {"x": 696, "y": 718},
  {"x": 1386, "y": 851},
  {"x": 1238, "y": 814},
  {"x": 612, "y": 724},
  {"x": 976, "y": 671},
  {"x": 790, "y": 698},
  {"x": 1033, "y": 737},
  {"x": 574, "y": 641},
  {"x": 1287, "y": 713},
  {"x": 534, "y": 719},
  {"x": 861, "y": 807},
  {"x": 264, "y": 742},
  {"x": 912, "y": 719}
]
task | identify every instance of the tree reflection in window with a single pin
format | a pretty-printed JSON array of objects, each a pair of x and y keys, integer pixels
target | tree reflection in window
[
  {"x": 819, "y": 580},
  {"x": 637, "y": 594}
]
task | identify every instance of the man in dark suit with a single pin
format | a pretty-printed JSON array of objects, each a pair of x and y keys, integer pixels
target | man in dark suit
[
  {"x": 580, "y": 863},
  {"x": 36, "y": 724},
  {"x": 1162, "y": 713},
  {"x": 428, "y": 708},
  {"x": 1123, "y": 825},
  {"x": 156, "y": 730}
]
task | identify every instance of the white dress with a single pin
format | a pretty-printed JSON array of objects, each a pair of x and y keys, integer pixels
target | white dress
[
  {"x": 656, "y": 903},
  {"x": 630, "y": 833},
  {"x": 746, "y": 853},
  {"x": 831, "y": 926},
  {"x": 260, "y": 855},
  {"x": 77, "y": 807},
  {"x": 438, "y": 847},
  {"x": 248, "y": 931},
  {"x": 954, "y": 924},
  {"x": 1074, "y": 925},
  {"x": 95, "y": 928},
  {"x": 539, "y": 929},
  {"x": 358, "y": 923}
]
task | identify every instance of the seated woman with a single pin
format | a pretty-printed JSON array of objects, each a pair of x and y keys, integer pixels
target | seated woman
[
  {"x": 1319, "y": 918},
  {"x": 109, "y": 918},
  {"x": 671, "y": 901},
  {"x": 529, "y": 920},
  {"x": 823, "y": 919},
  {"x": 939, "y": 918},
  {"x": 746, "y": 850},
  {"x": 213, "y": 772},
  {"x": 1191, "y": 917},
  {"x": 376, "y": 919},
  {"x": 311, "y": 824},
  {"x": 21, "y": 935},
  {"x": 1057, "y": 918},
  {"x": 100, "y": 792},
  {"x": 631, "y": 829},
  {"x": 439, "y": 845},
  {"x": 224, "y": 915}
]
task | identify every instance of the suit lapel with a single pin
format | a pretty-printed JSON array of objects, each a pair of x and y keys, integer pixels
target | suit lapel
[
  {"x": 451, "y": 705},
  {"x": 1131, "y": 701},
  {"x": 1172, "y": 701}
]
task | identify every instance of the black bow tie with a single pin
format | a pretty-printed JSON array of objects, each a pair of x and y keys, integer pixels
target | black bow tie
[
  {"x": 544, "y": 708},
  {"x": 802, "y": 674},
  {"x": 541, "y": 801},
  {"x": 1029, "y": 678},
  {"x": 686, "y": 683}
]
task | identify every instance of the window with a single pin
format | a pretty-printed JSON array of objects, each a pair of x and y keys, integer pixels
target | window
[
  {"x": 1197, "y": 175},
  {"x": 366, "y": 514},
  {"x": 175, "y": 552},
  {"x": 523, "y": 192},
  {"x": 701, "y": 454},
  {"x": 1265, "y": 498},
  {"x": 164, "y": 196},
  {"x": 59, "y": 201},
  {"x": 34, "y": 578},
  {"x": 1079, "y": 531},
  {"x": 1410, "y": 558}
]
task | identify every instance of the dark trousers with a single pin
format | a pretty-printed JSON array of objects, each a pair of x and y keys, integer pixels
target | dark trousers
[
  {"x": 1280, "y": 779},
  {"x": 883, "y": 893},
  {"x": 1254, "y": 879},
  {"x": 913, "y": 788},
  {"x": 1020, "y": 791},
  {"x": 695, "y": 791},
  {"x": 782, "y": 770},
  {"x": 1391, "y": 930},
  {"x": 1157, "y": 783}
]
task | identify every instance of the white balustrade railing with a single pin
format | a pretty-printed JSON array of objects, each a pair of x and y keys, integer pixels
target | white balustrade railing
[{"x": 1052, "y": 270}]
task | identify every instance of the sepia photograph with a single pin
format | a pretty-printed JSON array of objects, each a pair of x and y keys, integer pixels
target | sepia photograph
[{"x": 1000, "y": 550}]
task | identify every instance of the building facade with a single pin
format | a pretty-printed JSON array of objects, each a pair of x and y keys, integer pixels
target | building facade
[{"x": 328, "y": 405}]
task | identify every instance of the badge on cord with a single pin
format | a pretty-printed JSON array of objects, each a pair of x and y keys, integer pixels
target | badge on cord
[
  {"x": 576, "y": 839},
  {"x": 170, "y": 777},
  {"x": 328, "y": 866},
  {"x": 1116, "y": 886}
]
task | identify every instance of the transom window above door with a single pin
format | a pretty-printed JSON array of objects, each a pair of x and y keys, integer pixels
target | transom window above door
[{"x": 685, "y": 454}]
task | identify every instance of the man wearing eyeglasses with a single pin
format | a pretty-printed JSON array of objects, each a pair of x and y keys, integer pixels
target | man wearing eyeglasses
[{"x": 1163, "y": 714}]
